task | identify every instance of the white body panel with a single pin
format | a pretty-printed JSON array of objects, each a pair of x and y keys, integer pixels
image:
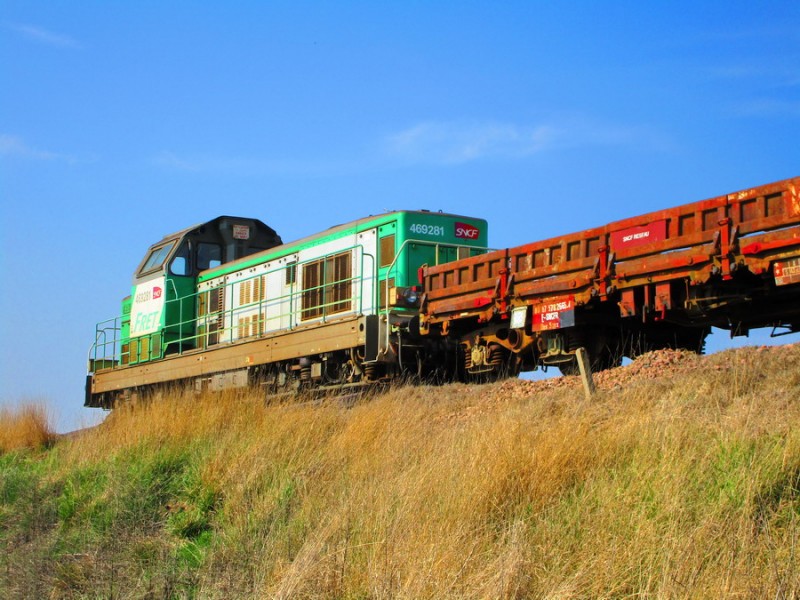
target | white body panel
[
  {"x": 264, "y": 298},
  {"x": 148, "y": 307}
]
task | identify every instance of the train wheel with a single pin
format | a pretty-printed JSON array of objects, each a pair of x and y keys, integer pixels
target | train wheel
[{"x": 489, "y": 363}]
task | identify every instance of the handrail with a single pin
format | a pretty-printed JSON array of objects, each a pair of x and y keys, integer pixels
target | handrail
[
  {"x": 437, "y": 246},
  {"x": 187, "y": 331},
  {"x": 99, "y": 350},
  {"x": 193, "y": 332},
  {"x": 295, "y": 308}
]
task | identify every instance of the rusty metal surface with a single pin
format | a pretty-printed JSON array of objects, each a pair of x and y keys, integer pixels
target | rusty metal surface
[{"x": 694, "y": 242}]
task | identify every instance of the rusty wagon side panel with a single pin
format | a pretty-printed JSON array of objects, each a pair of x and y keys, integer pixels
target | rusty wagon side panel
[{"x": 694, "y": 265}]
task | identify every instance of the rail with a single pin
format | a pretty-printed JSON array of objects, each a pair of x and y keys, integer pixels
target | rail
[
  {"x": 330, "y": 298},
  {"x": 299, "y": 312},
  {"x": 106, "y": 353},
  {"x": 192, "y": 323}
]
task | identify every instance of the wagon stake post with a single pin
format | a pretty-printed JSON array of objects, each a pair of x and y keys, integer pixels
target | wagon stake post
[{"x": 586, "y": 372}]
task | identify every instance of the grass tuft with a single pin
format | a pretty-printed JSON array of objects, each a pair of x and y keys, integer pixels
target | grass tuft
[{"x": 27, "y": 426}]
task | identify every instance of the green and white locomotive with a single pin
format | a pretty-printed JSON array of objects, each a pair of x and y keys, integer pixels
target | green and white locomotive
[{"x": 227, "y": 304}]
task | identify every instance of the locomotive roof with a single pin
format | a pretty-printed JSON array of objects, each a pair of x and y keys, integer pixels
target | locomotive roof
[
  {"x": 356, "y": 225},
  {"x": 218, "y": 230},
  {"x": 188, "y": 230}
]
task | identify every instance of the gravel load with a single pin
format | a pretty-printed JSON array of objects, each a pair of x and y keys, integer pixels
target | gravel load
[{"x": 660, "y": 365}]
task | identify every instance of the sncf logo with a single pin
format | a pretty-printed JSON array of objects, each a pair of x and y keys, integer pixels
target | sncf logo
[
  {"x": 467, "y": 231},
  {"x": 156, "y": 293}
]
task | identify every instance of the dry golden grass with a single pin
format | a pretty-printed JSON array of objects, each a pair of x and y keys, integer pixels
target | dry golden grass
[
  {"x": 682, "y": 486},
  {"x": 27, "y": 426}
]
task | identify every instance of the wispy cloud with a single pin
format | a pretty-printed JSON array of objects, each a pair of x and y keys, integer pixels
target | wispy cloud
[
  {"x": 769, "y": 108},
  {"x": 772, "y": 88},
  {"x": 441, "y": 143},
  {"x": 770, "y": 76},
  {"x": 44, "y": 36},
  {"x": 170, "y": 160},
  {"x": 771, "y": 32},
  {"x": 452, "y": 143},
  {"x": 14, "y": 146},
  {"x": 209, "y": 164}
]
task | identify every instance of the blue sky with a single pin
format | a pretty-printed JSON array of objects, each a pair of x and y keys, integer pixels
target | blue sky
[{"x": 121, "y": 122}]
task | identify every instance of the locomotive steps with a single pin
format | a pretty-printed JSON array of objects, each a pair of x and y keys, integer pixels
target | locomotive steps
[{"x": 681, "y": 477}]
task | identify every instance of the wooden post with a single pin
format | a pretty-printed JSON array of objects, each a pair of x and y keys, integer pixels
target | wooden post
[{"x": 586, "y": 372}]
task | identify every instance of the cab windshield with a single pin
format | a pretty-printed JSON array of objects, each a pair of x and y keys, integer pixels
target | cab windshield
[{"x": 157, "y": 257}]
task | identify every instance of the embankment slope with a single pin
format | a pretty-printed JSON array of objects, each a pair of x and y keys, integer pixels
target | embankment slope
[{"x": 680, "y": 479}]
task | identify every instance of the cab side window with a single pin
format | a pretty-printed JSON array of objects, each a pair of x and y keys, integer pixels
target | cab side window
[
  {"x": 208, "y": 256},
  {"x": 181, "y": 265}
]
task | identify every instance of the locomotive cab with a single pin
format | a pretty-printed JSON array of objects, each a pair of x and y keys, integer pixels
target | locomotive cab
[{"x": 159, "y": 317}]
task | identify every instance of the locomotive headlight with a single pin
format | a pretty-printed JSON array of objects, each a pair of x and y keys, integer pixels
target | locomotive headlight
[
  {"x": 405, "y": 296},
  {"x": 411, "y": 296}
]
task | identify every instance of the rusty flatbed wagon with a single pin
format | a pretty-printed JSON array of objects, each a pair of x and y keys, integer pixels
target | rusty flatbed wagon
[{"x": 647, "y": 282}]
